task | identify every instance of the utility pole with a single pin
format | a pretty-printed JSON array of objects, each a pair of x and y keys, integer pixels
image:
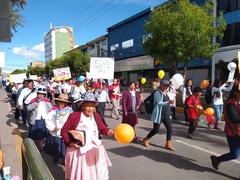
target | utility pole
[{"x": 214, "y": 40}]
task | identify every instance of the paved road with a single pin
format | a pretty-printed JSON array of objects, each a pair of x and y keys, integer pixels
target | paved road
[
  {"x": 190, "y": 161},
  {"x": 136, "y": 162}
]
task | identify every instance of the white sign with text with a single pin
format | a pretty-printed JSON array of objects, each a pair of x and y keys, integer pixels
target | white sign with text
[{"x": 102, "y": 68}]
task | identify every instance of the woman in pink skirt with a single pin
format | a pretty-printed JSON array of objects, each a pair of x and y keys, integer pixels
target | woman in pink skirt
[{"x": 86, "y": 158}]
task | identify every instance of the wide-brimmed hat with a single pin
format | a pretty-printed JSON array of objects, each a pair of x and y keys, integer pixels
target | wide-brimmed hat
[
  {"x": 63, "y": 98},
  {"x": 87, "y": 97}
]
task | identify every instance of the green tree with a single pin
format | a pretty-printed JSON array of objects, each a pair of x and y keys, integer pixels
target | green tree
[
  {"x": 19, "y": 71},
  {"x": 180, "y": 31},
  {"x": 36, "y": 71},
  {"x": 16, "y": 18},
  {"x": 75, "y": 60}
]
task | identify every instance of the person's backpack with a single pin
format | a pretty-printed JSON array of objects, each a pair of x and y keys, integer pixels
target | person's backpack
[
  {"x": 209, "y": 96},
  {"x": 148, "y": 103}
]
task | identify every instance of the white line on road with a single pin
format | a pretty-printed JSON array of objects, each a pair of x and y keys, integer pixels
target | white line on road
[{"x": 204, "y": 150}]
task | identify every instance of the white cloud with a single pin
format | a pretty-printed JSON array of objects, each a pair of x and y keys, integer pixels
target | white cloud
[
  {"x": 39, "y": 47},
  {"x": 31, "y": 53},
  {"x": 75, "y": 46}
]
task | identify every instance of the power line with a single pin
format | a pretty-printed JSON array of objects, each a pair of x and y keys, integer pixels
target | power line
[
  {"x": 100, "y": 15},
  {"x": 96, "y": 12},
  {"x": 81, "y": 13}
]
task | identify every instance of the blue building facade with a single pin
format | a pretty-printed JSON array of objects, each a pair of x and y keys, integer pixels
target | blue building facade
[
  {"x": 125, "y": 41},
  {"x": 231, "y": 12},
  {"x": 131, "y": 31}
]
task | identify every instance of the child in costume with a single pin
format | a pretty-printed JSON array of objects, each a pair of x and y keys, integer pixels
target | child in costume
[{"x": 193, "y": 105}]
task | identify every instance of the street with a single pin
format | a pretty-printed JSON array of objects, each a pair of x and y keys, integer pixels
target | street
[
  {"x": 136, "y": 162},
  {"x": 190, "y": 161}
]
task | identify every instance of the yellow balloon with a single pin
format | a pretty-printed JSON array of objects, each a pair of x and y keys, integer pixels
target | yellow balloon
[
  {"x": 143, "y": 80},
  {"x": 124, "y": 133},
  {"x": 161, "y": 74}
]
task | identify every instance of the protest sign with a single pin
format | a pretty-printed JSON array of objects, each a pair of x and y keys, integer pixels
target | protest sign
[
  {"x": 62, "y": 73},
  {"x": 102, "y": 68},
  {"x": 17, "y": 78}
]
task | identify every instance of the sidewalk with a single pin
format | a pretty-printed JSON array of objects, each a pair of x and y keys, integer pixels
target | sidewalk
[{"x": 10, "y": 141}]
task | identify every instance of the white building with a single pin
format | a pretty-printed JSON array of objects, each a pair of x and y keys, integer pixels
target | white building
[{"x": 58, "y": 41}]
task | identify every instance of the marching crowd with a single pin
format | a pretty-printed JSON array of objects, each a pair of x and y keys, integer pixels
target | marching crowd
[{"x": 66, "y": 117}]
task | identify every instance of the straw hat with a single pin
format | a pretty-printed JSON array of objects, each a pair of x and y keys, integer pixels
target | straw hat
[{"x": 63, "y": 98}]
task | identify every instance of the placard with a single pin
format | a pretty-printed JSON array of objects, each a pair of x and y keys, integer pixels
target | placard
[
  {"x": 62, "y": 73},
  {"x": 17, "y": 78},
  {"x": 33, "y": 77},
  {"x": 102, "y": 68}
]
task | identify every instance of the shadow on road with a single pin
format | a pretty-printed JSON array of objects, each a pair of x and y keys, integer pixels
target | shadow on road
[{"x": 177, "y": 161}]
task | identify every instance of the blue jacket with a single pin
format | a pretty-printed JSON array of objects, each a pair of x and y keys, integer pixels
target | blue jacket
[{"x": 157, "y": 104}]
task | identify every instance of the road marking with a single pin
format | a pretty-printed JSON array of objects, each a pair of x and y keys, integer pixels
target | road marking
[{"x": 202, "y": 149}]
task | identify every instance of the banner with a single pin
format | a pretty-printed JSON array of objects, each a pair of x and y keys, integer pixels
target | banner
[
  {"x": 62, "y": 73},
  {"x": 102, "y": 68},
  {"x": 17, "y": 78}
]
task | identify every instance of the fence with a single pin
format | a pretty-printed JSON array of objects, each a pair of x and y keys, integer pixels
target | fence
[{"x": 34, "y": 167}]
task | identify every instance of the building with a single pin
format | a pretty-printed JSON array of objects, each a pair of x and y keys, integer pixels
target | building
[
  {"x": 96, "y": 47},
  {"x": 125, "y": 45},
  {"x": 37, "y": 64},
  {"x": 230, "y": 44},
  {"x": 125, "y": 41},
  {"x": 58, "y": 41}
]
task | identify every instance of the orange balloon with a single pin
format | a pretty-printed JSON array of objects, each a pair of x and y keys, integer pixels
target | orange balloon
[
  {"x": 124, "y": 133},
  {"x": 209, "y": 111},
  {"x": 204, "y": 84}
]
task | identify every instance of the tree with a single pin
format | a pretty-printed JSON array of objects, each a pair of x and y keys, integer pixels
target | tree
[
  {"x": 180, "y": 31},
  {"x": 36, "y": 71},
  {"x": 75, "y": 60},
  {"x": 16, "y": 18},
  {"x": 19, "y": 71}
]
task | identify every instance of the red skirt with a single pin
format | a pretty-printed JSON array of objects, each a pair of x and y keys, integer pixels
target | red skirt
[{"x": 131, "y": 119}]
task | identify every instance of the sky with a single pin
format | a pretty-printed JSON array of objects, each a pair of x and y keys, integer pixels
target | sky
[{"x": 89, "y": 19}]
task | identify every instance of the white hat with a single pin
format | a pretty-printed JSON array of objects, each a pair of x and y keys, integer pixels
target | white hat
[{"x": 42, "y": 90}]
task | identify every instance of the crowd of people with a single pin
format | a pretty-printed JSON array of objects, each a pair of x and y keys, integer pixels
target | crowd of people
[{"x": 66, "y": 118}]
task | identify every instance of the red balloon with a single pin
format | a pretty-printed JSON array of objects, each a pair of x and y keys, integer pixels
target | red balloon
[
  {"x": 210, "y": 119},
  {"x": 96, "y": 85}
]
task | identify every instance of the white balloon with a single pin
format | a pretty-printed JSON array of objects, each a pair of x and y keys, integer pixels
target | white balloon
[
  {"x": 177, "y": 80},
  {"x": 231, "y": 66}
]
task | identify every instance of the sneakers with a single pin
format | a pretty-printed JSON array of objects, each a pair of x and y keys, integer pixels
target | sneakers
[{"x": 215, "y": 162}]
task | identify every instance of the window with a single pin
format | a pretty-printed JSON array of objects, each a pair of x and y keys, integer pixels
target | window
[
  {"x": 228, "y": 5},
  {"x": 232, "y": 35},
  {"x": 114, "y": 47},
  {"x": 127, "y": 44}
]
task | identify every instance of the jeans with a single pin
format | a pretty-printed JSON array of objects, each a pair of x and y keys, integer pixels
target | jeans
[
  {"x": 234, "y": 146},
  {"x": 218, "y": 112}
]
